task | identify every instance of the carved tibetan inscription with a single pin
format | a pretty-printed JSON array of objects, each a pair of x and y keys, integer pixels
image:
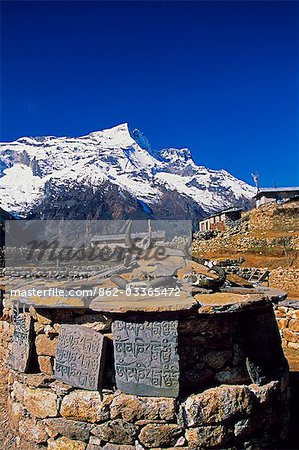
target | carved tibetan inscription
[
  {"x": 80, "y": 357},
  {"x": 21, "y": 343},
  {"x": 146, "y": 357}
]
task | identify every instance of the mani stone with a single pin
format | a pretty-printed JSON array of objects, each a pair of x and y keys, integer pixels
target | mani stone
[
  {"x": 80, "y": 357},
  {"x": 21, "y": 343},
  {"x": 146, "y": 357}
]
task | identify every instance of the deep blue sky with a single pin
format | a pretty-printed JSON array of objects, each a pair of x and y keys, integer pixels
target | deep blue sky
[{"x": 219, "y": 77}]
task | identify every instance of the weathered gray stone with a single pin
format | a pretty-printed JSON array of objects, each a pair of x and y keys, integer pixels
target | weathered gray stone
[
  {"x": 80, "y": 357},
  {"x": 22, "y": 342},
  {"x": 218, "y": 404},
  {"x": 146, "y": 357},
  {"x": 116, "y": 432},
  {"x": 69, "y": 428},
  {"x": 97, "y": 322},
  {"x": 86, "y": 406},
  {"x": 131, "y": 408},
  {"x": 160, "y": 435},
  {"x": 207, "y": 437}
]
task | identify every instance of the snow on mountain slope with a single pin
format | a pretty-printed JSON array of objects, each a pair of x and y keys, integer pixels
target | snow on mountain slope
[{"x": 35, "y": 172}]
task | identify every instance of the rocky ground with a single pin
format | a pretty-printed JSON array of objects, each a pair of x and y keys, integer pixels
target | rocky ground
[{"x": 6, "y": 436}]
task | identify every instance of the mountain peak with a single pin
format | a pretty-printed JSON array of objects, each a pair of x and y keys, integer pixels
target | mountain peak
[
  {"x": 175, "y": 154},
  {"x": 44, "y": 172},
  {"x": 118, "y": 136},
  {"x": 122, "y": 128}
]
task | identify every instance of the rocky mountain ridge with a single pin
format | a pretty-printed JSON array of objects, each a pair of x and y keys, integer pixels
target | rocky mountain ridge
[{"x": 110, "y": 174}]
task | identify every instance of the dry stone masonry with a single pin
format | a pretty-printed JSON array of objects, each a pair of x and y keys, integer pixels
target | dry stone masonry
[
  {"x": 220, "y": 379},
  {"x": 287, "y": 315}
]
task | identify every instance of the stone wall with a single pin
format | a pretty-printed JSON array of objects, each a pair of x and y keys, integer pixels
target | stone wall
[
  {"x": 233, "y": 394},
  {"x": 257, "y": 234},
  {"x": 246, "y": 243},
  {"x": 287, "y": 314},
  {"x": 47, "y": 412},
  {"x": 275, "y": 217},
  {"x": 285, "y": 279}
]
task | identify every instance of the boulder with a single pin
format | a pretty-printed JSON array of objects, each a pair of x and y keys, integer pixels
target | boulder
[
  {"x": 40, "y": 402},
  {"x": 160, "y": 435},
  {"x": 86, "y": 406},
  {"x": 69, "y": 428},
  {"x": 116, "y": 431},
  {"x": 131, "y": 408},
  {"x": 218, "y": 405},
  {"x": 207, "y": 437}
]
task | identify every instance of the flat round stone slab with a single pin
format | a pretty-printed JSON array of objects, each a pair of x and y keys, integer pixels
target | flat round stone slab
[
  {"x": 290, "y": 303},
  {"x": 124, "y": 304},
  {"x": 270, "y": 293},
  {"x": 229, "y": 302}
]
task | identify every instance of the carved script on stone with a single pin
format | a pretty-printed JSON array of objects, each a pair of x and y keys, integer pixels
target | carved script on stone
[
  {"x": 21, "y": 343},
  {"x": 146, "y": 357},
  {"x": 80, "y": 357}
]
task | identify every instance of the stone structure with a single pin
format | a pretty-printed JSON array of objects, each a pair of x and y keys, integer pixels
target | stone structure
[
  {"x": 286, "y": 279},
  {"x": 287, "y": 315},
  {"x": 272, "y": 216},
  {"x": 221, "y": 221},
  {"x": 269, "y": 195},
  {"x": 230, "y": 394},
  {"x": 19, "y": 357},
  {"x": 146, "y": 357},
  {"x": 80, "y": 357},
  {"x": 271, "y": 229}
]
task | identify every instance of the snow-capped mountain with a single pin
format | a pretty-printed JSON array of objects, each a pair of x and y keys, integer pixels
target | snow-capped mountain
[{"x": 112, "y": 173}]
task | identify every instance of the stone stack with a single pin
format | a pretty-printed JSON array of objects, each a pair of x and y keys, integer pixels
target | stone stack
[
  {"x": 287, "y": 315},
  {"x": 233, "y": 393}
]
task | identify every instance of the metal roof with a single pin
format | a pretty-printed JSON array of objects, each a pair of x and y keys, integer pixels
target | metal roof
[
  {"x": 280, "y": 189},
  {"x": 222, "y": 212}
]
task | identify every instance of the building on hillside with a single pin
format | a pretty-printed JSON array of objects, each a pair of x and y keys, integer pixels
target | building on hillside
[
  {"x": 278, "y": 195},
  {"x": 221, "y": 221}
]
